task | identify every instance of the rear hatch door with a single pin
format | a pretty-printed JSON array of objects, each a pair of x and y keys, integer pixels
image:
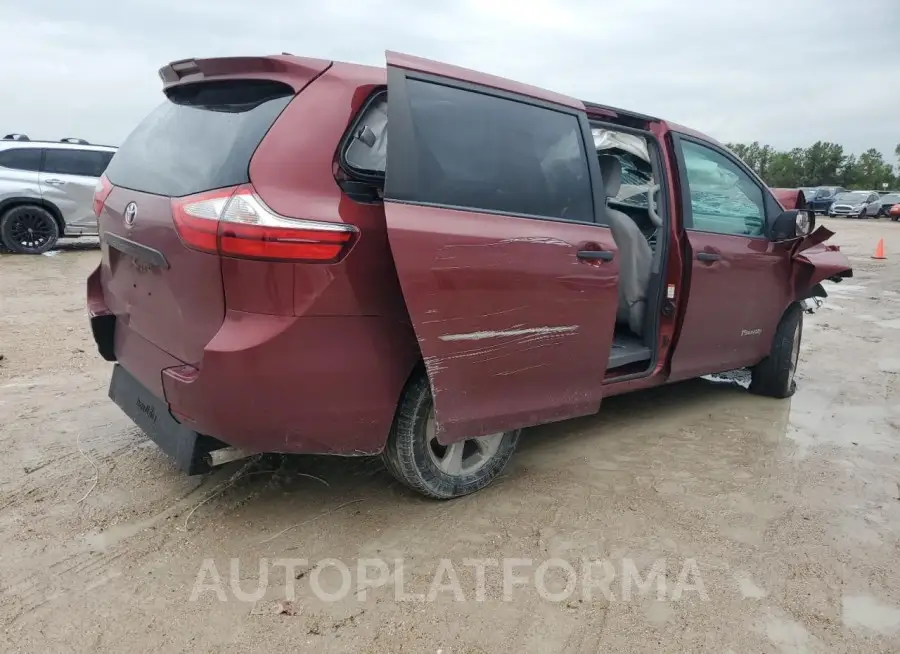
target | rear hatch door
[{"x": 201, "y": 138}]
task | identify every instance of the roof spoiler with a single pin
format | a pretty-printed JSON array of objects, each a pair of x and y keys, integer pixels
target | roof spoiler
[{"x": 296, "y": 72}]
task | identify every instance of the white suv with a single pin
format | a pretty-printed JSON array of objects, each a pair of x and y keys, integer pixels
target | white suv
[{"x": 47, "y": 190}]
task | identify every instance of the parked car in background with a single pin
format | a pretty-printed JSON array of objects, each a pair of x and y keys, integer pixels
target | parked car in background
[
  {"x": 887, "y": 201},
  {"x": 809, "y": 192},
  {"x": 857, "y": 204},
  {"x": 47, "y": 190},
  {"x": 823, "y": 198},
  {"x": 894, "y": 212},
  {"x": 307, "y": 256}
]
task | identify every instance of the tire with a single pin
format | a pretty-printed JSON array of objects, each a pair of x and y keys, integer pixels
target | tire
[
  {"x": 774, "y": 375},
  {"x": 413, "y": 456},
  {"x": 28, "y": 229},
  {"x": 863, "y": 214}
]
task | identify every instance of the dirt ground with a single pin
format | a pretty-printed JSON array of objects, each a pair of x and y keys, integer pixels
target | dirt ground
[{"x": 777, "y": 522}]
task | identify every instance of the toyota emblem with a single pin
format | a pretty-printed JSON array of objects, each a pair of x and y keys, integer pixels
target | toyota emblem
[{"x": 130, "y": 214}]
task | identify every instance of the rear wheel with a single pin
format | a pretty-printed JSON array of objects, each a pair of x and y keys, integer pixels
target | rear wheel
[
  {"x": 414, "y": 456},
  {"x": 774, "y": 375},
  {"x": 28, "y": 229}
]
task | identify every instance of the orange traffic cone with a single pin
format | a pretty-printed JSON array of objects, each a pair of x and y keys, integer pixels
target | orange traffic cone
[{"x": 879, "y": 250}]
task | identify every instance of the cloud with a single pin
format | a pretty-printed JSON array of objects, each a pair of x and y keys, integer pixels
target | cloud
[{"x": 786, "y": 73}]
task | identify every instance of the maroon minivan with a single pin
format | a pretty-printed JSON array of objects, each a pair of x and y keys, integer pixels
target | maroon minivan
[{"x": 282, "y": 273}]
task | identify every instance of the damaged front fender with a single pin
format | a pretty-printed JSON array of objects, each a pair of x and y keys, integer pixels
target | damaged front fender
[{"x": 814, "y": 262}]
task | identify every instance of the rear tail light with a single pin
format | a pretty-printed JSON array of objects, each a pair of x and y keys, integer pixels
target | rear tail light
[
  {"x": 101, "y": 192},
  {"x": 235, "y": 222}
]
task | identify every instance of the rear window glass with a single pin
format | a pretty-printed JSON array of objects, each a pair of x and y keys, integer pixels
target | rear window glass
[
  {"x": 87, "y": 163},
  {"x": 21, "y": 159},
  {"x": 202, "y": 137},
  {"x": 367, "y": 151}
]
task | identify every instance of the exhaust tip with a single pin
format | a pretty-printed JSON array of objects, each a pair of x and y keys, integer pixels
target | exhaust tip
[{"x": 225, "y": 455}]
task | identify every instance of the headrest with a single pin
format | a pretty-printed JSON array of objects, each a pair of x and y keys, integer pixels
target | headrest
[{"x": 611, "y": 170}]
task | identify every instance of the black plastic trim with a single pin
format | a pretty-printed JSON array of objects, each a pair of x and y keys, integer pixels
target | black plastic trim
[
  {"x": 360, "y": 191},
  {"x": 151, "y": 414},
  {"x": 136, "y": 250},
  {"x": 104, "y": 330},
  {"x": 814, "y": 291},
  {"x": 624, "y": 113},
  {"x": 10, "y": 203},
  {"x": 596, "y": 255}
]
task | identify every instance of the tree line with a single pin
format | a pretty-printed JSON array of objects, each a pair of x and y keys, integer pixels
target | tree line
[{"x": 821, "y": 164}]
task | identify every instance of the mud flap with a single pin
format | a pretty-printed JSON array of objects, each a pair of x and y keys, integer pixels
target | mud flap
[{"x": 151, "y": 414}]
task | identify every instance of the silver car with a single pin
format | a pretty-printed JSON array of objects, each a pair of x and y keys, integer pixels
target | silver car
[
  {"x": 47, "y": 190},
  {"x": 857, "y": 204}
]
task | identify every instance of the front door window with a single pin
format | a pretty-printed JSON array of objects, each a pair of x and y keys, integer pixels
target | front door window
[{"x": 724, "y": 198}]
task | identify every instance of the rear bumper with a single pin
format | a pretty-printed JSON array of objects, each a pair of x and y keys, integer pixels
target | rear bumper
[
  {"x": 323, "y": 385},
  {"x": 151, "y": 414}
]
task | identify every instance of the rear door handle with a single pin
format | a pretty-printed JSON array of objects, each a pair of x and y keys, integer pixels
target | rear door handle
[
  {"x": 708, "y": 256},
  {"x": 596, "y": 255},
  {"x": 54, "y": 182}
]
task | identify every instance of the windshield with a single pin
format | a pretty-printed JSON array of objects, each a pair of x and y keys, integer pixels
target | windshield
[{"x": 854, "y": 197}]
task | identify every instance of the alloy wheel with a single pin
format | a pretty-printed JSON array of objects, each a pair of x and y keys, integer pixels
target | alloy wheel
[
  {"x": 30, "y": 230},
  {"x": 463, "y": 457}
]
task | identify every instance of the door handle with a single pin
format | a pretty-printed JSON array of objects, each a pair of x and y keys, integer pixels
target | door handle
[
  {"x": 54, "y": 182},
  {"x": 596, "y": 255},
  {"x": 708, "y": 256}
]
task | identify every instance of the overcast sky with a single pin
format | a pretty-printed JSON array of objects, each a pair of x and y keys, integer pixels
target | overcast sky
[{"x": 786, "y": 72}]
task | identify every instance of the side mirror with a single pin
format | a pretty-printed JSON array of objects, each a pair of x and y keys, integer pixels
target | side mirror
[{"x": 793, "y": 223}]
